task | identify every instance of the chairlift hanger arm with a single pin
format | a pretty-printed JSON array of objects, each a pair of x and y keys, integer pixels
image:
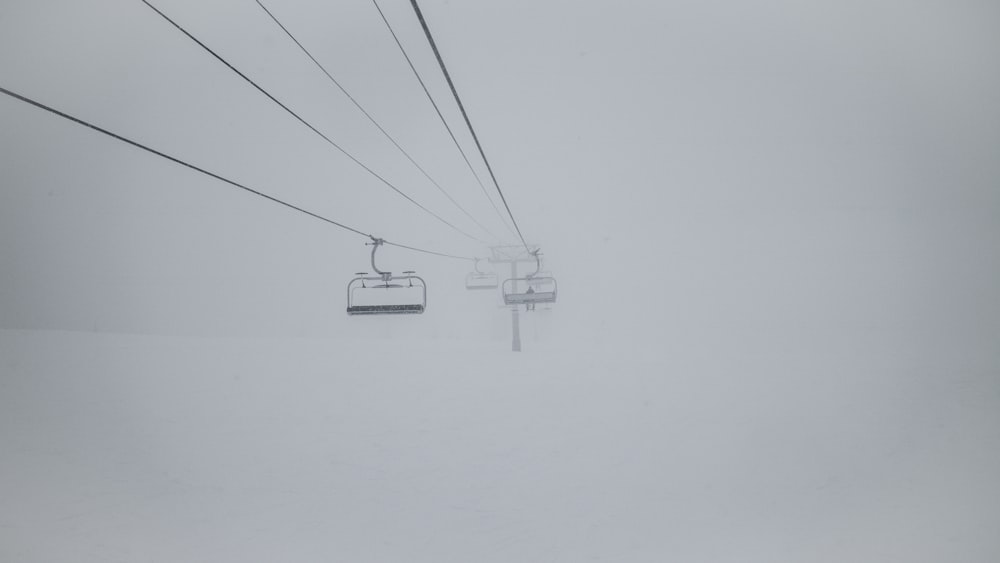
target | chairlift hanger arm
[
  {"x": 538, "y": 263},
  {"x": 377, "y": 242}
]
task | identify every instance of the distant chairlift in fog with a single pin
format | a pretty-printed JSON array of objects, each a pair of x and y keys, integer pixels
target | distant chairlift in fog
[
  {"x": 540, "y": 288},
  {"x": 408, "y": 295},
  {"x": 481, "y": 280}
]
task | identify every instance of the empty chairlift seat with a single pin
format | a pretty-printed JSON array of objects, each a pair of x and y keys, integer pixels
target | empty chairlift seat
[
  {"x": 476, "y": 280},
  {"x": 481, "y": 280},
  {"x": 385, "y": 293},
  {"x": 371, "y": 295}
]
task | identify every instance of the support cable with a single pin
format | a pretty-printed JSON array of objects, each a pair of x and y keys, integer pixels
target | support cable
[
  {"x": 454, "y": 92},
  {"x": 443, "y": 120},
  {"x": 307, "y": 124},
  {"x": 219, "y": 177},
  {"x": 372, "y": 119}
]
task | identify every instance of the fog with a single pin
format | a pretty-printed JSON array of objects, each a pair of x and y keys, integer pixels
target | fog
[{"x": 774, "y": 225}]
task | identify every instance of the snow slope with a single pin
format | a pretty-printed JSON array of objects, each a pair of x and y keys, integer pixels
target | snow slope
[{"x": 147, "y": 448}]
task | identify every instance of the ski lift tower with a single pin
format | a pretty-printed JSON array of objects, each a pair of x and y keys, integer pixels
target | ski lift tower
[{"x": 513, "y": 255}]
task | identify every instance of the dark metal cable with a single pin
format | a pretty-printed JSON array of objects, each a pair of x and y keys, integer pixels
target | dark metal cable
[
  {"x": 306, "y": 123},
  {"x": 196, "y": 168},
  {"x": 454, "y": 92},
  {"x": 432, "y": 252},
  {"x": 441, "y": 116},
  {"x": 372, "y": 119}
]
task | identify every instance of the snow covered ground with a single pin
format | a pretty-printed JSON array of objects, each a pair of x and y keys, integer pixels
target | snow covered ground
[{"x": 165, "y": 449}]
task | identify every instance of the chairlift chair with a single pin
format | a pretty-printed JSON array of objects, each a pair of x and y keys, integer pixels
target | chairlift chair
[
  {"x": 540, "y": 289},
  {"x": 481, "y": 280},
  {"x": 384, "y": 293}
]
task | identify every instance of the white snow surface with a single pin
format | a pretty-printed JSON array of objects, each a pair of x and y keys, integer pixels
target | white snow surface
[{"x": 166, "y": 449}]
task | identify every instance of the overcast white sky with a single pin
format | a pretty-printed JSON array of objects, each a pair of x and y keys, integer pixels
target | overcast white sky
[{"x": 705, "y": 164}]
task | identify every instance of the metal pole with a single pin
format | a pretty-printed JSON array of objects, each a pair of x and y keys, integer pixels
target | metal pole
[{"x": 515, "y": 318}]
